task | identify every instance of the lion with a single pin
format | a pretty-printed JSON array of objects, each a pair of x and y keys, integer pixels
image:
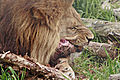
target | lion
[{"x": 35, "y": 27}]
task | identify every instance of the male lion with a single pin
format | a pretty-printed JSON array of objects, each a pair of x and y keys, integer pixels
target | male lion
[{"x": 34, "y": 27}]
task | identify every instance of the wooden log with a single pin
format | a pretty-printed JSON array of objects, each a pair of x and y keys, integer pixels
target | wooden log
[
  {"x": 33, "y": 66},
  {"x": 102, "y": 49},
  {"x": 103, "y": 28}
]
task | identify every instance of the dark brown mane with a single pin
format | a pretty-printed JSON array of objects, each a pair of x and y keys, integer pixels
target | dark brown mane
[{"x": 28, "y": 26}]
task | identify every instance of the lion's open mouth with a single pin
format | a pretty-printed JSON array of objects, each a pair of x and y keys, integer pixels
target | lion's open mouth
[
  {"x": 71, "y": 43},
  {"x": 65, "y": 43},
  {"x": 64, "y": 50}
]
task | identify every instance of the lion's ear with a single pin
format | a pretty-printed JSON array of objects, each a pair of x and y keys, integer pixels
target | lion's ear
[
  {"x": 44, "y": 16},
  {"x": 37, "y": 14}
]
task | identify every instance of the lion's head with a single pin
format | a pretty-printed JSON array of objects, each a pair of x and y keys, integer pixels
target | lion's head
[{"x": 73, "y": 29}]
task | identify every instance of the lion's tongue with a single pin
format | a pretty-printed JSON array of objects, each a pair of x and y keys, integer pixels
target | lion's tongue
[{"x": 66, "y": 43}]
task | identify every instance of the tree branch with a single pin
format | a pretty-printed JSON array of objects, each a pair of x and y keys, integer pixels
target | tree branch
[
  {"x": 31, "y": 65},
  {"x": 101, "y": 49}
]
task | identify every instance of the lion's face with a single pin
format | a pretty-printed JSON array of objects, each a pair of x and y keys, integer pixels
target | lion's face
[
  {"x": 73, "y": 30},
  {"x": 77, "y": 35}
]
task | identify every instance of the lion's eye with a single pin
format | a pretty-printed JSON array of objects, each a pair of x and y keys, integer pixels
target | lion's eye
[{"x": 73, "y": 28}]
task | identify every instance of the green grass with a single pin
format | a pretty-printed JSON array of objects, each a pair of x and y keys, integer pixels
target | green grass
[
  {"x": 116, "y": 5},
  {"x": 94, "y": 67},
  {"x": 92, "y": 9},
  {"x": 10, "y": 74}
]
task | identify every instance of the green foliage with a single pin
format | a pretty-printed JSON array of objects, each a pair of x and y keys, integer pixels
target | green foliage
[
  {"x": 92, "y": 9},
  {"x": 10, "y": 74}
]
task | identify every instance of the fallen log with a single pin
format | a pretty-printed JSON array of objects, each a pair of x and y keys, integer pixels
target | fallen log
[
  {"x": 103, "y": 28},
  {"x": 32, "y": 65},
  {"x": 103, "y": 49}
]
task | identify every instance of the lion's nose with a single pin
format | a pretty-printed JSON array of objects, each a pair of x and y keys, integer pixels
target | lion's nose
[
  {"x": 90, "y": 36},
  {"x": 89, "y": 39}
]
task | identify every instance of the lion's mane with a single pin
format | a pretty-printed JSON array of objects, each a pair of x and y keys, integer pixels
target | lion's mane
[{"x": 31, "y": 26}]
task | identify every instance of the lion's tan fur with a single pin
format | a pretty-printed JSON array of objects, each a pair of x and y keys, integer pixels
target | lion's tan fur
[
  {"x": 33, "y": 26},
  {"x": 28, "y": 26},
  {"x": 73, "y": 29}
]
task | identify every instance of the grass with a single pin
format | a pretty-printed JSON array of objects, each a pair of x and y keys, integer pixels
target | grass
[
  {"x": 10, "y": 74},
  {"x": 92, "y": 9},
  {"x": 95, "y": 68}
]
